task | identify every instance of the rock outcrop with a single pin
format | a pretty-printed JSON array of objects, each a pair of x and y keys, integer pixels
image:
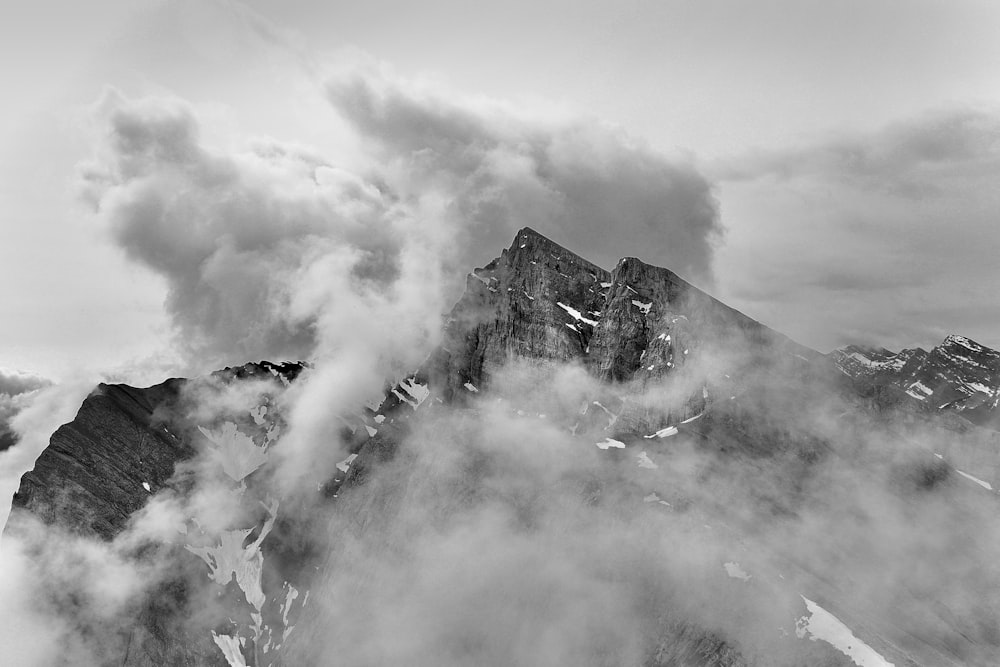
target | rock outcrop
[{"x": 636, "y": 323}]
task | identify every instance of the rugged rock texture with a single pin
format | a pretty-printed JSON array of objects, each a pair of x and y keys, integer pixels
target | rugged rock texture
[
  {"x": 511, "y": 310},
  {"x": 958, "y": 376},
  {"x": 93, "y": 475},
  {"x": 635, "y": 325},
  {"x": 123, "y": 446},
  {"x": 90, "y": 478}
]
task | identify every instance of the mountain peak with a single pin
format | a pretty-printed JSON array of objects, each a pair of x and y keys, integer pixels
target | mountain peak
[
  {"x": 530, "y": 241},
  {"x": 964, "y": 341}
]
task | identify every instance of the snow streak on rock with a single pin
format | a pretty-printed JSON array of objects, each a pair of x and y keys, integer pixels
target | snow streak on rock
[
  {"x": 575, "y": 314},
  {"x": 237, "y": 452},
  {"x": 230, "y": 647},
  {"x": 345, "y": 465},
  {"x": 415, "y": 393},
  {"x": 985, "y": 485},
  {"x": 230, "y": 559},
  {"x": 821, "y": 624},
  {"x": 608, "y": 443},
  {"x": 663, "y": 433}
]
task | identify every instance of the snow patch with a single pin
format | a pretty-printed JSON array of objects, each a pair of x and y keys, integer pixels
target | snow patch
[
  {"x": 371, "y": 431},
  {"x": 146, "y": 486},
  {"x": 237, "y": 453},
  {"x": 345, "y": 465},
  {"x": 417, "y": 391},
  {"x": 375, "y": 403},
  {"x": 230, "y": 647},
  {"x": 643, "y": 307},
  {"x": 290, "y": 596},
  {"x": 821, "y": 624},
  {"x": 653, "y": 498},
  {"x": 734, "y": 570},
  {"x": 471, "y": 387},
  {"x": 985, "y": 485},
  {"x": 379, "y": 419},
  {"x": 258, "y": 415},
  {"x": 608, "y": 443},
  {"x": 663, "y": 433},
  {"x": 230, "y": 558},
  {"x": 980, "y": 387},
  {"x": 646, "y": 462},
  {"x": 576, "y": 314}
]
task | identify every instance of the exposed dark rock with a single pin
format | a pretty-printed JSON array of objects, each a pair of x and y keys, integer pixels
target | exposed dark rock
[{"x": 90, "y": 478}]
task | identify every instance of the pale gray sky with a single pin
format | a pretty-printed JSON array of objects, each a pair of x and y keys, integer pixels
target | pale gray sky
[{"x": 852, "y": 149}]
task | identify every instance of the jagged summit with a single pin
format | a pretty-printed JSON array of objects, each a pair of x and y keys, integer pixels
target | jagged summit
[{"x": 637, "y": 322}]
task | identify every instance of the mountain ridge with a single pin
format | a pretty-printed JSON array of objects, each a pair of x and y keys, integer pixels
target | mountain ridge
[{"x": 746, "y": 405}]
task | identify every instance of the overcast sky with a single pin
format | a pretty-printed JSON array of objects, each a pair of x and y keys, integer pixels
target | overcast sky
[{"x": 829, "y": 168}]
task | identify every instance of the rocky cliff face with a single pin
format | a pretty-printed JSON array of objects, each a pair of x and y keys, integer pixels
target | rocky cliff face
[
  {"x": 125, "y": 445},
  {"x": 634, "y": 327},
  {"x": 541, "y": 301},
  {"x": 121, "y": 448},
  {"x": 103, "y": 466}
]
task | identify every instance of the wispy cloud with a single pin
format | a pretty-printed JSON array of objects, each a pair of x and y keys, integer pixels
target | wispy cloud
[
  {"x": 503, "y": 168},
  {"x": 888, "y": 230}
]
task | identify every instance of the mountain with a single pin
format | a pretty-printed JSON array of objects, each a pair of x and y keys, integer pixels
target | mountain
[
  {"x": 959, "y": 376},
  {"x": 635, "y": 323},
  {"x": 122, "y": 447},
  {"x": 594, "y": 467}
]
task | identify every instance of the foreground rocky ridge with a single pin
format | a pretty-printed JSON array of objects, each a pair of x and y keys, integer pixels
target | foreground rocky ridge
[{"x": 673, "y": 376}]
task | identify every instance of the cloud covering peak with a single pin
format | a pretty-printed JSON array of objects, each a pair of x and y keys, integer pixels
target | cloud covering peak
[
  {"x": 573, "y": 178},
  {"x": 262, "y": 247}
]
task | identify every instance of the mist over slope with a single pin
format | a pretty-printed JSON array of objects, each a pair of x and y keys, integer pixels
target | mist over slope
[{"x": 593, "y": 467}]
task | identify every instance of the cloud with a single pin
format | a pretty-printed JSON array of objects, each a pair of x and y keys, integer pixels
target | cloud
[
  {"x": 34, "y": 423},
  {"x": 885, "y": 233},
  {"x": 274, "y": 251},
  {"x": 14, "y": 382},
  {"x": 244, "y": 237},
  {"x": 906, "y": 158},
  {"x": 573, "y": 178},
  {"x": 239, "y": 236},
  {"x": 496, "y": 536},
  {"x": 17, "y": 390}
]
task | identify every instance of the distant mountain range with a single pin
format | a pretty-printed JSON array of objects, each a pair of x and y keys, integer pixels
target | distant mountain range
[
  {"x": 674, "y": 392},
  {"x": 959, "y": 376}
]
